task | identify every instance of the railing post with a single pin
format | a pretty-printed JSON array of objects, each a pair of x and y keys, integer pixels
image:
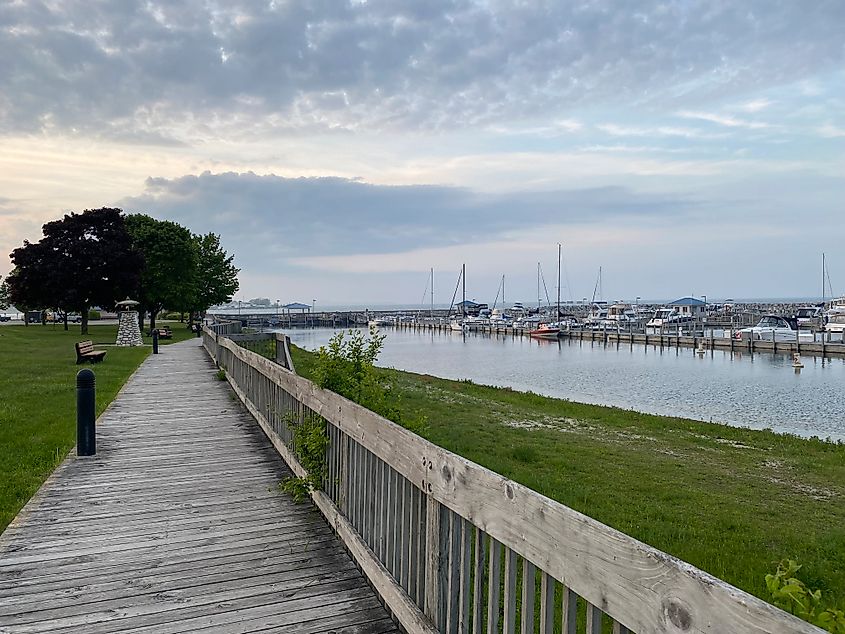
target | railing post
[
  {"x": 86, "y": 439},
  {"x": 435, "y": 608}
]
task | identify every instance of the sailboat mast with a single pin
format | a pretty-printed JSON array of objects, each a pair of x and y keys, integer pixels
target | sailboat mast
[
  {"x": 464, "y": 280},
  {"x": 538, "y": 287},
  {"x": 504, "y": 305},
  {"x": 823, "y": 265},
  {"x": 431, "y": 311},
  {"x": 559, "y": 248}
]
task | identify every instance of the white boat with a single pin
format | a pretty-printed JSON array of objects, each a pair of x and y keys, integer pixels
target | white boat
[
  {"x": 378, "y": 323},
  {"x": 775, "y": 328},
  {"x": 809, "y": 316},
  {"x": 662, "y": 317},
  {"x": 834, "y": 320},
  {"x": 457, "y": 325},
  {"x": 622, "y": 314}
]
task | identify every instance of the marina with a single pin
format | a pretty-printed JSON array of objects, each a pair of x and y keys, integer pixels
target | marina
[{"x": 757, "y": 389}]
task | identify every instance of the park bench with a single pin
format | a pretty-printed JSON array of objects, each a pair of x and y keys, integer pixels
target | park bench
[
  {"x": 163, "y": 333},
  {"x": 85, "y": 352}
]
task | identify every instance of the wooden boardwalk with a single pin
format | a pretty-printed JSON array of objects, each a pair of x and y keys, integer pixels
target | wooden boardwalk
[{"x": 176, "y": 526}]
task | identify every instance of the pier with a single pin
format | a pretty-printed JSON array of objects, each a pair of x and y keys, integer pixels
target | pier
[
  {"x": 699, "y": 339},
  {"x": 176, "y": 525}
]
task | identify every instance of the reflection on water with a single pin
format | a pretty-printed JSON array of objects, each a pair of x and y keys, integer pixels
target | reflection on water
[{"x": 760, "y": 390}]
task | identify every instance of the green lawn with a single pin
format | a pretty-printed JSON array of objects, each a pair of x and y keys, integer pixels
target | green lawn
[
  {"x": 37, "y": 400},
  {"x": 730, "y": 501}
]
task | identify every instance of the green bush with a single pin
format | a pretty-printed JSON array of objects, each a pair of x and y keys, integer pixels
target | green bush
[
  {"x": 789, "y": 593},
  {"x": 93, "y": 314}
]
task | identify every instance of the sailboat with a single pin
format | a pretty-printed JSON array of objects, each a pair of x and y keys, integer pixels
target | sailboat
[
  {"x": 550, "y": 330},
  {"x": 456, "y": 324}
]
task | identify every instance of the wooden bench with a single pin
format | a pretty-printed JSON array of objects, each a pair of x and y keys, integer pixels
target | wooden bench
[
  {"x": 163, "y": 333},
  {"x": 85, "y": 352}
]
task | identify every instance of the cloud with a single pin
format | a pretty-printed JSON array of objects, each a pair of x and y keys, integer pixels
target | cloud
[
  {"x": 830, "y": 131},
  {"x": 657, "y": 131},
  {"x": 723, "y": 119},
  {"x": 756, "y": 105},
  {"x": 181, "y": 71},
  {"x": 270, "y": 220}
]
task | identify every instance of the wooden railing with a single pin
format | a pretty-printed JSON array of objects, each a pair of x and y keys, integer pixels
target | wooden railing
[
  {"x": 225, "y": 327},
  {"x": 453, "y": 547}
]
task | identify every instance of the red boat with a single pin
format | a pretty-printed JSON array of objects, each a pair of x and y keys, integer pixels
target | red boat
[{"x": 545, "y": 331}]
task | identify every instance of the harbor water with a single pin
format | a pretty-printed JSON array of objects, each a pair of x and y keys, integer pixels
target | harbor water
[{"x": 757, "y": 391}]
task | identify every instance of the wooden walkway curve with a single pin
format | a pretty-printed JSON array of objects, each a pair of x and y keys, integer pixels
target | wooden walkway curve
[{"x": 176, "y": 526}]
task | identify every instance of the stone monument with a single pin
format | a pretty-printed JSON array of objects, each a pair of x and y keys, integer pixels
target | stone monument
[{"x": 128, "y": 331}]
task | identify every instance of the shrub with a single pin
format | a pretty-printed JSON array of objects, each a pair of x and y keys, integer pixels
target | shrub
[
  {"x": 789, "y": 593},
  {"x": 93, "y": 314}
]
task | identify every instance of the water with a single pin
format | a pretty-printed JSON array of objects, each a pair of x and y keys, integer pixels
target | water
[{"x": 759, "y": 391}]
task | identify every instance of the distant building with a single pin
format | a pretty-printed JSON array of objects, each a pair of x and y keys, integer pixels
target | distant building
[
  {"x": 689, "y": 307},
  {"x": 297, "y": 307}
]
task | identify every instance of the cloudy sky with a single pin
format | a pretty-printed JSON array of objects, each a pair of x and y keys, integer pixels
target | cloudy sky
[{"x": 343, "y": 149}]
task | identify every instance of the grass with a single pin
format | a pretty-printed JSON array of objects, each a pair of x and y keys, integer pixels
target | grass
[
  {"x": 730, "y": 501},
  {"x": 37, "y": 400}
]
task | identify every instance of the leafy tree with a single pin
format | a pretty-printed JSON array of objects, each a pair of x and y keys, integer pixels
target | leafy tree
[
  {"x": 83, "y": 260},
  {"x": 216, "y": 277},
  {"x": 170, "y": 261},
  {"x": 4, "y": 294}
]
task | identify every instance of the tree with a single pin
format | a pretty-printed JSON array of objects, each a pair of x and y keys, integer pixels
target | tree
[
  {"x": 216, "y": 278},
  {"x": 83, "y": 260},
  {"x": 170, "y": 261},
  {"x": 4, "y": 294}
]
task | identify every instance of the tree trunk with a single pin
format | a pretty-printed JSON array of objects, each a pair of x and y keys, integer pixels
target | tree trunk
[
  {"x": 65, "y": 319},
  {"x": 141, "y": 311},
  {"x": 182, "y": 317},
  {"x": 84, "y": 326},
  {"x": 153, "y": 312}
]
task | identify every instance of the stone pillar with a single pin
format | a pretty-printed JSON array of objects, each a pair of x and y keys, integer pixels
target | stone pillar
[{"x": 128, "y": 332}]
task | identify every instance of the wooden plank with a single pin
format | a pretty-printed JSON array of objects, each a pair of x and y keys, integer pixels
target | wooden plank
[
  {"x": 494, "y": 564},
  {"x": 547, "y": 604},
  {"x": 465, "y": 577},
  {"x": 569, "y": 611},
  {"x": 647, "y": 583},
  {"x": 593, "y": 619},
  {"x": 510, "y": 592},
  {"x": 477, "y": 578},
  {"x": 527, "y": 604},
  {"x": 433, "y": 608}
]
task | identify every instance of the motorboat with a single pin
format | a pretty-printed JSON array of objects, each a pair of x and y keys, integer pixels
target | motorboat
[
  {"x": 834, "y": 320},
  {"x": 378, "y": 323},
  {"x": 500, "y": 318},
  {"x": 662, "y": 317},
  {"x": 775, "y": 328},
  {"x": 458, "y": 325},
  {"x": 666, "y": 317},
  {"x": 809, "y": 316},
  {"x": 621, "y": 314},
  {"x": 545, "y": 331}
]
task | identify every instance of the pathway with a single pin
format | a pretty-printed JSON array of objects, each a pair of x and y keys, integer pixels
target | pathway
[{"x": 176, "y": 526}]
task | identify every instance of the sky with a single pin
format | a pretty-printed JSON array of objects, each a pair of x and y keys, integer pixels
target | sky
[{"x": 343, "y": 149}]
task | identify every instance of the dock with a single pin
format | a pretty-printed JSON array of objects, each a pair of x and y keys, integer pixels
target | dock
[{"x": 177, "y": 525}]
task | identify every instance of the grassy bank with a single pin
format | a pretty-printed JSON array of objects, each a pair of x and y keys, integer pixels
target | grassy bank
[
  {"x": 37, "y": 400},
  {"x": 730, "y": 501}
]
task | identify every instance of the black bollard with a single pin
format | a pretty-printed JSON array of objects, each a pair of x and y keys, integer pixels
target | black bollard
[
  {"x": 86, "y": 437},
  {"x": 155, "y": 340}
]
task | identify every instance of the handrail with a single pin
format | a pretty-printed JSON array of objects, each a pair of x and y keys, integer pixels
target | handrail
[{"x": 438, "y": 534}]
